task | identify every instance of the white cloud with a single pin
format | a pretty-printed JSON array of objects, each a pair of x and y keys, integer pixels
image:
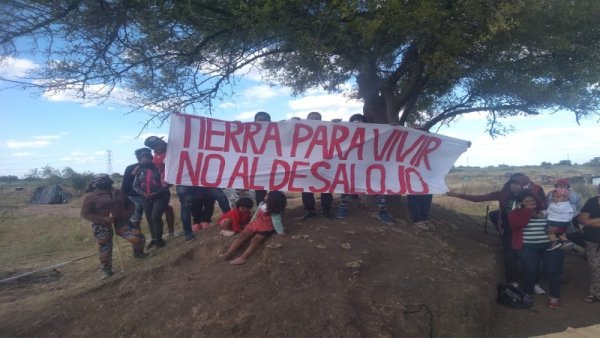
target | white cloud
[
  {"x": 23, "y": 154},
  {"x": 12, "y": 68},
  {"x": 245, "y": 116},
  {"x": 261, "y": 93},
  {"x": 324, "y": 102},
  {"x": 14, "y": 144}
]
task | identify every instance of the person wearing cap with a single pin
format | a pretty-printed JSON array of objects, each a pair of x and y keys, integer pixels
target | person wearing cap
[
  {"x": 559, "y": 213},
  {"x": 127, "y": 187},
  {"x": 159, "y": 148},
  {"x": 155, "y": 194},
  {"x": 590, "y": 219},
  {"x": 572, "y": 197},
  {"x": 261, "y": 116},
  {"x": 104, "y": 207},
  {"x": 308, "y": 198}
]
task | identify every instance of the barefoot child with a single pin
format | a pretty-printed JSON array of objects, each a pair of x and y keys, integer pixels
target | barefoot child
[
  {"x": 237, "y": 218},
  {"x": 266, "y": 221},
  {"x": 560, "y": 213}
]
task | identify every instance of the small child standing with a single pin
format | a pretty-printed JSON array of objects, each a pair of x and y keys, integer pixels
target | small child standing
[
  {"x": 265, "y": 222},
  {"x": 560, "y": 213},
  {"x": 237, "y": 218}
]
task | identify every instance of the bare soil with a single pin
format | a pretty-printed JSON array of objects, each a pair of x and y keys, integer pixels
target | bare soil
[{"x": 326, "y": 278}]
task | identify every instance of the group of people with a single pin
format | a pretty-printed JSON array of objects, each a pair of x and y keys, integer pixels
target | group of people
[
  {"x": 536, "y": 229},
  {"x": 144, "y": 191}
]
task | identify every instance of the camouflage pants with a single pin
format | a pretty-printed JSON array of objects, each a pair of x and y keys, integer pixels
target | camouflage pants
[
  {"x": 593, "y": 258},
  {"x": 104, "y": 236}
]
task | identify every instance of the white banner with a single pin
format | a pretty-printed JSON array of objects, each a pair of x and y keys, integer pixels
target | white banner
[{"x": 310, "y": 156}]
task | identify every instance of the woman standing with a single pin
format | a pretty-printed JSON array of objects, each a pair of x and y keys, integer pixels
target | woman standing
[
  {"x": 589, "y": 217},
  {"x": 155, "y": 194},
  {"x": 530, "y": 241},
  {"x": 105, "y": 206}
]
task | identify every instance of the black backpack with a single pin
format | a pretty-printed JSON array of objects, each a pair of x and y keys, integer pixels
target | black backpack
[{"x": 511, "y": 296}]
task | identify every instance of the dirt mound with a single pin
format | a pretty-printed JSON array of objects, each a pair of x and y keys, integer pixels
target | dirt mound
[{"x": 326, "y": 278}]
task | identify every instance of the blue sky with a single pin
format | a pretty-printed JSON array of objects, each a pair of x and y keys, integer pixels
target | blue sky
[{"x": 58, "y": 130}]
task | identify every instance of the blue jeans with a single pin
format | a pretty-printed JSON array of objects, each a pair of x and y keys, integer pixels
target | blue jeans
[
  {"x": 552, "y": 263},
  {"x": 218, "y": 195},
  {"x": 138, "y": 201},
  {"x": 418, "y": 206}
]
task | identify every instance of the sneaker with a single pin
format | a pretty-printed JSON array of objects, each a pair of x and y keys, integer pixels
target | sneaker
[
  {"x": 204, "y": 225},
  {"x": 140, "y": 255},
  {"x": 422, "y": 225},
  {"x": 341, "y": 213},
  {"x": 384, "y": 217},
  {"x": 196, "y": 227},
  {"x": 160, "y": 243},
  {"x": 151, "y": 244},
  {"x": 309, "y": 214},
  {"x": 567, "y": 245},
  {"x": 538, "y": 290},
  {"x": 555, "y": 245},
  {"x": 515, "y": 284},
  {"x": 553, "y": 303},
  {"x": 328, "y": 215},
  {"x": 227, "y": 233},
  {"x": 106, "y": 273},
  {"x": 527, "y": 300},
  {"x": 189, "y": 237}
]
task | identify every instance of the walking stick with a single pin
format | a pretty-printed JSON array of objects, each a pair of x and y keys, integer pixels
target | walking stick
[
  {"x": 487, "y": 209},
  {"x": 116, "y": 237}
]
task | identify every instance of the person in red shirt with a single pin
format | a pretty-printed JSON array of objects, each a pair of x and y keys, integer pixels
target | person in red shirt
[{"x": 237, "y": 218}]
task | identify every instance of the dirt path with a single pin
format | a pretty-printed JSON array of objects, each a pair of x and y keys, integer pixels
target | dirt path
[{"x": 540, "y": 319}]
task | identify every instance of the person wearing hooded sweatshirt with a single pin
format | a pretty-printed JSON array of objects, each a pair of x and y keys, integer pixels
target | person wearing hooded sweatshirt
[
  {"x": 104, "y": 206},
  {"x": 507, "y": 201},
  {"x": 155, "y": 194}
]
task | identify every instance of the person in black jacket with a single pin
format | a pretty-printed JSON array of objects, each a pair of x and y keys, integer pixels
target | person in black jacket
[{"x": 127, "y": 187}]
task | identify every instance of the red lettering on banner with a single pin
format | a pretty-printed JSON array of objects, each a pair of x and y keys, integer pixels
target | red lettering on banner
[
  {"x": 272, "y": 135},
  {"x": 319, "y": 139},
  {"x": 187, "y": 131},
  {"x": 400, "y": 155},
  {"x": 401, "y": 182},
  {"x": 370, "y": 174},
  {"x": 211, "y": 133},
  {"x": 220, "y": 161},
  {"x": 285, "y": 169},
  {"x": 193, "y": 171},
  {"x": 253, "y": 170},
  {"x": 314, "y": 170},
  {"x": 294, "y": 175},
  {"x": 240, "y": 170},
  {"x": 339, "y": 134},
  {"x": 409, "y": 174},
  {"x": 341, "y": 177},
  {"x": 423, "y": 155},
  {"x": 252, "y": 129},
  {"x": 357, "y": 142},
  {"x": 302, "y": 133},
  {"x": 202, "y": 133},
  {"x": 232, "y": 130},
  {"x": 389, "y": 144}
]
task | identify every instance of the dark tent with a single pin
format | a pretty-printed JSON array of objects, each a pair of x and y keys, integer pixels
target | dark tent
[{"x": 50, "y": 194}]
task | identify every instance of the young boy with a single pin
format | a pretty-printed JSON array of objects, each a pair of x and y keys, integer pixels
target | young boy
[
  {"x": 237, "y": 218},
  {"x": 560, "y": 213}
]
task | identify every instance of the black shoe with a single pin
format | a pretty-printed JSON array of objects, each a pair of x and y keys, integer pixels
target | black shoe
[
  {"x": 140, "y": 255},
  {"x": 151, "y": 244},
  {"x": 328, "y": 215},
  {"x": 309, "y": 215},
  {"x": 160, "y": 243}
]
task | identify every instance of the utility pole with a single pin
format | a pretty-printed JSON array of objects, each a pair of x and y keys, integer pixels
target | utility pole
[{"x": 108, "y": 162}]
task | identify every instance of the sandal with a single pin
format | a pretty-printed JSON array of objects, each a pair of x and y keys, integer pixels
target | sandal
[{"x": 590, "y": 299}]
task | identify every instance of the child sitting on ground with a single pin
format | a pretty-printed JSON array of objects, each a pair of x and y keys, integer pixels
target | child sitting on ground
[
  {"x": 265, "y": 222},
  {"x": 560, "y": 213},
  {"x": 237, "y": 218}
]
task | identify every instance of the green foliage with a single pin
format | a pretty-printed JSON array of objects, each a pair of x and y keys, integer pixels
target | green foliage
[{"x": 417, "y": 63}]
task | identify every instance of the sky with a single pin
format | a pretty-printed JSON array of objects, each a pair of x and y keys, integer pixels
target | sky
[{"x": 55, "y": 129}]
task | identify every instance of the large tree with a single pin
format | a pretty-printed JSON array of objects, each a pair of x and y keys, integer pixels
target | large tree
[{"x": 415, "y": 62}]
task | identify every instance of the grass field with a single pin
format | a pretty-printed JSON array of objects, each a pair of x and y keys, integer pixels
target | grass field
[{"x": 33, "y": 236}]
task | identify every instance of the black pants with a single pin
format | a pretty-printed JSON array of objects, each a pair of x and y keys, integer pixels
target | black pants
[
  {"x": 418, "y": 206},
  {"x": 510, "y": 255},
  {"x": 154, "y": 208},
  {"x": 308, "y": 200}
]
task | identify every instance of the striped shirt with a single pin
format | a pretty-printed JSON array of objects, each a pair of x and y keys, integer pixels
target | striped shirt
[{"x": 535, "y": 232}]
